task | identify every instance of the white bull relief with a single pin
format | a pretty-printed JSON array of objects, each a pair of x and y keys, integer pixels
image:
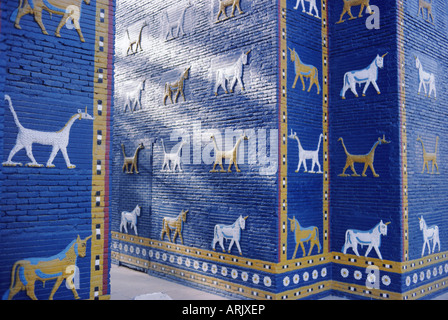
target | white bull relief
[
  {"x": 368, "y": 75},
  {"x": 370, "y": 238},
  {"x": 429, "y": 234},
  {"x": 231, "y": 74},
  {"x": 426, "y": 79},
  {"x": 130, "y": 217},
  {"x": 232, "y": 232}
]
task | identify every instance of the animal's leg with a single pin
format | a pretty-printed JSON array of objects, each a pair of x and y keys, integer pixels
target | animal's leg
[
  {"x": 437, "y": 167},
  {"x": 239, "y": 8},
  {"x": 354, "y": 174},
  {"x": 230, "y": 165},
  {"x": 315, "y": 10},
  {"x": 233, "y": 10},
  {"x": 181, "y": 238},
  {"x": 304, "y": 165},
  {"x": 368, "y": 250},
  {"x": 378, "y": 252},
  {"x": 29, "y": 153},
  {"x": 420, "y": 87},
  {"x": 373, "y": 170},
  {"x": 38, "y": 19},
  {"x": 214, "y": 165},
  {"x": 232, "y": 84},
  {"x": 67, "y": 159},
  {"x": 125, "y": 226},
  {"x": 353, "y": 89},
  {"x": 342, "y": 14},
  {"x": 423, "y": 250},
  {"x": 56, "y": 287},
  {"x": 349, "y": 11},
  {"x": 303, "y": 82},
  {"x": 134, "y": 226},
  {"x": 14, "y": 150},
  {"x": 61, "y": 23},
  {"x": 295, "y": 251},
  {"x": 295, "y": 81},
  {"x": 221, "y": 243},
  {"x": 236, "y": 166},
  {"x": 21, "y": 12},
  {"x": 239, "y": 248},
  {"x": 303, "y": 249},
  {"x": 365, "y": 88},
  {"x": 30, "y": 290},
  {"x": 360, "y": 11},
  {"x": 311, "y": 247},
  {"x": 343, "y": 91},
  {"x": 343, "y": 174},
  {"x": 182, "y": 93},
  {"x": 299, "y": 165},
  {"x": 222, "y": 168},
  {"x": 54, "y": 152},
  {"x": 376, "y": 87},
  {"x": 355, "y": 249},
  {"x": 231, "y": 245}
]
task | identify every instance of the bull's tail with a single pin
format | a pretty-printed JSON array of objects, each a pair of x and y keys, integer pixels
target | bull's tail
[
  {"x": 13, "y": 280},
  {"x": 345, "y": 85},
  {"x": 316, "y": 78},
  {"x": 316, "y": 238},
  {"x": 347, "y": 240},
  {"x": 16, "y": 11}
]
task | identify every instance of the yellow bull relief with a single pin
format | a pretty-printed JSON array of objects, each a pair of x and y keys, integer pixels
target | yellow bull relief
[
  {"x": 26, "y": 272},
  {"x": 69, "y": 9}
]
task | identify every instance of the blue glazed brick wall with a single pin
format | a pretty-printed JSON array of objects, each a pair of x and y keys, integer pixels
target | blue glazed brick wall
[
  {"x": 44, "y": 209},
  {"x": 211, "y": 198},
  {"x": 426, "y": 118}
]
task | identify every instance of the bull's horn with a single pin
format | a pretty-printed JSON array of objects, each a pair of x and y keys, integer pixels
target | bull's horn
[
  {"x": 248, "y": 51},
  {"x": 186, "y": 211},
  {"x": 384, "y": 55},
  {"x": 387, "y": 223},
  {"x": 87, "y": 238},
  {"x": 86, "y": 109},
  {"x": 419, "y": 219},
  {"x": 246, "y": 217}
]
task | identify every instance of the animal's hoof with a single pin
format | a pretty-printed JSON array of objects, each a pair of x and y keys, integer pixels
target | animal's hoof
[
  {"x": 57, "y": 34},
  {"x": 72, "y": 166},
  {"x": 355, "y": 175},
  {"x": 363, "y": 95},
  {"x": 222, "y": 170},
  {"x": 340, "y": 21},
  {"x": 379, "y": 92},
  {"x": 50, "y": 166},
  {"x": 356, "y": 96},
  {"x": 18, "y": 26},
  {"x": 343, "y": 98},
  {"x": 216, "y": 93}
]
